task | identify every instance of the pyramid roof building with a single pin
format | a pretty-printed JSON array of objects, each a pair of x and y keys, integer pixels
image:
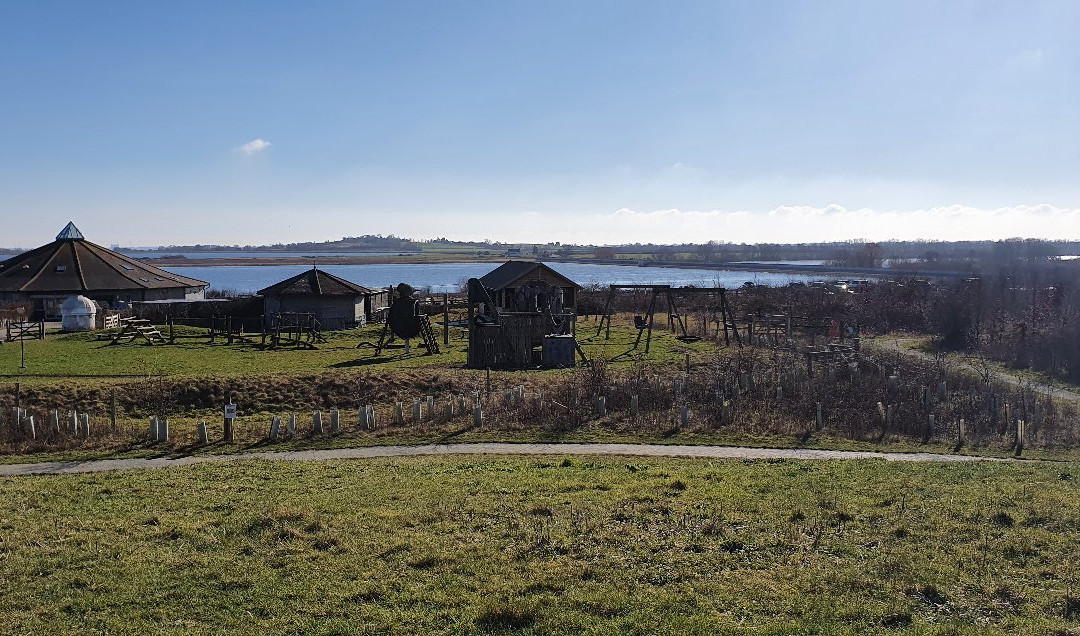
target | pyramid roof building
[
  {"x": 72, "y": 265},
  {"x": 315, "y": 282}
]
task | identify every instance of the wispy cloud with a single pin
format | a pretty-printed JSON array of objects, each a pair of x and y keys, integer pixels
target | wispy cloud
[
  {"x": 803, "y": 223},
  {"x": 1023, "y": 61},
  {"x": 253, "y": 147}
]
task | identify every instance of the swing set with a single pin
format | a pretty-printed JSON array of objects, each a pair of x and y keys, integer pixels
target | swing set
[{"x": 643, "y": 322}]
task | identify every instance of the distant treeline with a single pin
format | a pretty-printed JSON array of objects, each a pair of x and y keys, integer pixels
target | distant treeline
[{"x": 945, "y": 254}]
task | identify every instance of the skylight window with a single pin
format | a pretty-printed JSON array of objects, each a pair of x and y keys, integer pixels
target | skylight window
[
  {"x": 127, "y": 267},
  {"x": 61, "y": 268}
]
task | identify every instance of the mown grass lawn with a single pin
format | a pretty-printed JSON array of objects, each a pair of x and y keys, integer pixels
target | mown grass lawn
[
  {"x": 64, "y": 358},
  {"x": 526, "y": 545}
]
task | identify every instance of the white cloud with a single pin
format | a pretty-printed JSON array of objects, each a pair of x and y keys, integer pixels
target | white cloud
[
  {"x": 1025, "y": 60},
  {"x": 253, "y": 147},
  {"x": 804, "y": 223}
]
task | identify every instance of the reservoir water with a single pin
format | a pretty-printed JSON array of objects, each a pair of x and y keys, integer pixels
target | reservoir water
[{"x": 451, "y": 276}]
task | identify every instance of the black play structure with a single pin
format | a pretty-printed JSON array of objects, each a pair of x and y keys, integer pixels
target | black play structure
[
  {"x": 644, "y": 321},
  {"x": 405, "y": 321}
]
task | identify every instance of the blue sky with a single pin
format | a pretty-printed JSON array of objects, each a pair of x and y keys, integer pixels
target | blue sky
[{"x": 158, "y": 123}]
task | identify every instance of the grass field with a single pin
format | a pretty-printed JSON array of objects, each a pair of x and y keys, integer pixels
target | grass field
[
  {"x": 516, "y": 545},
  {"x": 83, "y": 358}
]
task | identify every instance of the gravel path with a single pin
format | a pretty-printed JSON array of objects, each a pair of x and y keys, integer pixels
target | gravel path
[{"x": 630, "y": 450}]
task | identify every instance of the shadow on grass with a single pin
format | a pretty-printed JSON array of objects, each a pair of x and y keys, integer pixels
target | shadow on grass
[{"x": 363, "y": 362}]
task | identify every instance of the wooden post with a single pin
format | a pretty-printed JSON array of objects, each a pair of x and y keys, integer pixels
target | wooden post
[
  {"x": 204, "y": 435},
  {"x": 688, "y": 364},
  {"x": 633, "y": 406},
  {"x": 112, "y": 409},
  {"x": 316, "y": 422},
  {"x": 275, "y": 426},
  {"x": 652, "y": 315},
  {"x": 227, "y": 420},
  {"x": 487, "y": 382},
  {"x": 446, "y": 318},
  {"x": 478, "y": 415}
]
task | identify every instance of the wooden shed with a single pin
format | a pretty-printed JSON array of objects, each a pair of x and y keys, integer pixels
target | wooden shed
[
  {"x": 335, "y": 302},
  {"x": 522, "y": 315}
]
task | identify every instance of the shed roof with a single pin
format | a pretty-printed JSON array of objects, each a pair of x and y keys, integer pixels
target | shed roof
[
  {"x": 315, "y": 282},
  {"x": 512, "y": 272},
  {"x": 73, "y": 265}
]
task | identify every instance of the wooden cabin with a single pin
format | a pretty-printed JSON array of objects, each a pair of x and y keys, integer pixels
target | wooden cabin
[
  {"x": 335, "y": 302},
  {"x": 522, "y": 315}
]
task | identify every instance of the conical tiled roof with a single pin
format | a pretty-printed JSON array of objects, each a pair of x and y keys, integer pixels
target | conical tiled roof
[
  {"x": 71, "y": 264},
  {"x": 315, "y": 282}
]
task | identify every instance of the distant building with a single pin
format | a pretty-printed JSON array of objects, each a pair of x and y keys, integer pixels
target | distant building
[
  {"x": 73, "y": 266},
  {"x": 513, "y": 252},
  {"x": 335, "y": 302}
]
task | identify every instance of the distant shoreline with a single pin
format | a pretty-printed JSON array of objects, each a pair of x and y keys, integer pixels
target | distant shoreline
[
  {"x": 402, "y": 259},
  {"x": 418, "y": 259}
]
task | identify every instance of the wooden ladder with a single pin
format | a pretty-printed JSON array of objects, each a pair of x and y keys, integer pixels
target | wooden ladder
[{"x": 428, "y": 334}]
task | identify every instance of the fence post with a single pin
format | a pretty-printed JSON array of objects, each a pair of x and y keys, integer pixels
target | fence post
[{"x": 227, "y": 421}]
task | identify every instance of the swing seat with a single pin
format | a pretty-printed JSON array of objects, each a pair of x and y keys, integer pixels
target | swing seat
[{"x": 640, "y": 322}]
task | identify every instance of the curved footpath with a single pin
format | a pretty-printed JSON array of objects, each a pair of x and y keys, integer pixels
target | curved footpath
[{"x": 493, "y": 448}]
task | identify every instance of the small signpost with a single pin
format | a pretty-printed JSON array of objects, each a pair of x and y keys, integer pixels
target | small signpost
[{"x": 230, "y": 415}]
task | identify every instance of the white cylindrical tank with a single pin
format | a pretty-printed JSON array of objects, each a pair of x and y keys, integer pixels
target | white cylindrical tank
[{"x": 79, "y": 314}]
